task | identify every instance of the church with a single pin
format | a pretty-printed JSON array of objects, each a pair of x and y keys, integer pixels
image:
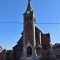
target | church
[{"x": 33, "y": 43}]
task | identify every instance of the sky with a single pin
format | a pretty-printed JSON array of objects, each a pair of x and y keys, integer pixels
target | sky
[{"x": 46, "y": 11}]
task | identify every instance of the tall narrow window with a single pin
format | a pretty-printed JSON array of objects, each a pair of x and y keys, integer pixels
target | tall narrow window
[
  {"x": 25, "y": 19},
  {"x": 44, "y": 46}
]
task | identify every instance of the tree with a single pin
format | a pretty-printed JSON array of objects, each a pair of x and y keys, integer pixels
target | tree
[{"x": 57, "y": 45}]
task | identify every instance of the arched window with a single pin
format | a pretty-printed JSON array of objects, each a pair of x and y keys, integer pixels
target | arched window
[{"x": 29, "y": 51}]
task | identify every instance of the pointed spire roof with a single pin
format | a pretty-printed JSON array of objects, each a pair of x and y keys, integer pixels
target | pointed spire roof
[{"x": 29, "y": 7}]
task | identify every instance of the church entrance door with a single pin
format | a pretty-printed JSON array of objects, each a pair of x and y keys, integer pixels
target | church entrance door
[{"x": 29, "y": 51}]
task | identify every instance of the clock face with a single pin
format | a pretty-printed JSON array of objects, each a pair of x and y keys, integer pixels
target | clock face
[{"x": 28, "y": 12}]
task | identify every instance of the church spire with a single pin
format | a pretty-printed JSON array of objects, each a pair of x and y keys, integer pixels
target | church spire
[{"x": 29, "y": 7}]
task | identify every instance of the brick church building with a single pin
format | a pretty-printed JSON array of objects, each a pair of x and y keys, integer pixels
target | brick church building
[{"x": 33, "y": 43}]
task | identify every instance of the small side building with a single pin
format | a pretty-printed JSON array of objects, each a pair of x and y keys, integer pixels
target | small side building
[
  {"x": 56, "y": 50},
  {"x": 9, "y": 55},
  {"x": 2, "y": 53}
]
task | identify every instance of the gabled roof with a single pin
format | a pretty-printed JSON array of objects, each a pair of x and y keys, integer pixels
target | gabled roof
[
  {"x": 37, "y": 29},
  {"x": 48, "y": 35},
  {"x": 20, "y": 40}
]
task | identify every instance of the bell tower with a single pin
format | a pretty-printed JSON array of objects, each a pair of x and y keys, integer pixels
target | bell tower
[
  {"x": 29, "y": 41},
  {"x": 29, "y": 14}
]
